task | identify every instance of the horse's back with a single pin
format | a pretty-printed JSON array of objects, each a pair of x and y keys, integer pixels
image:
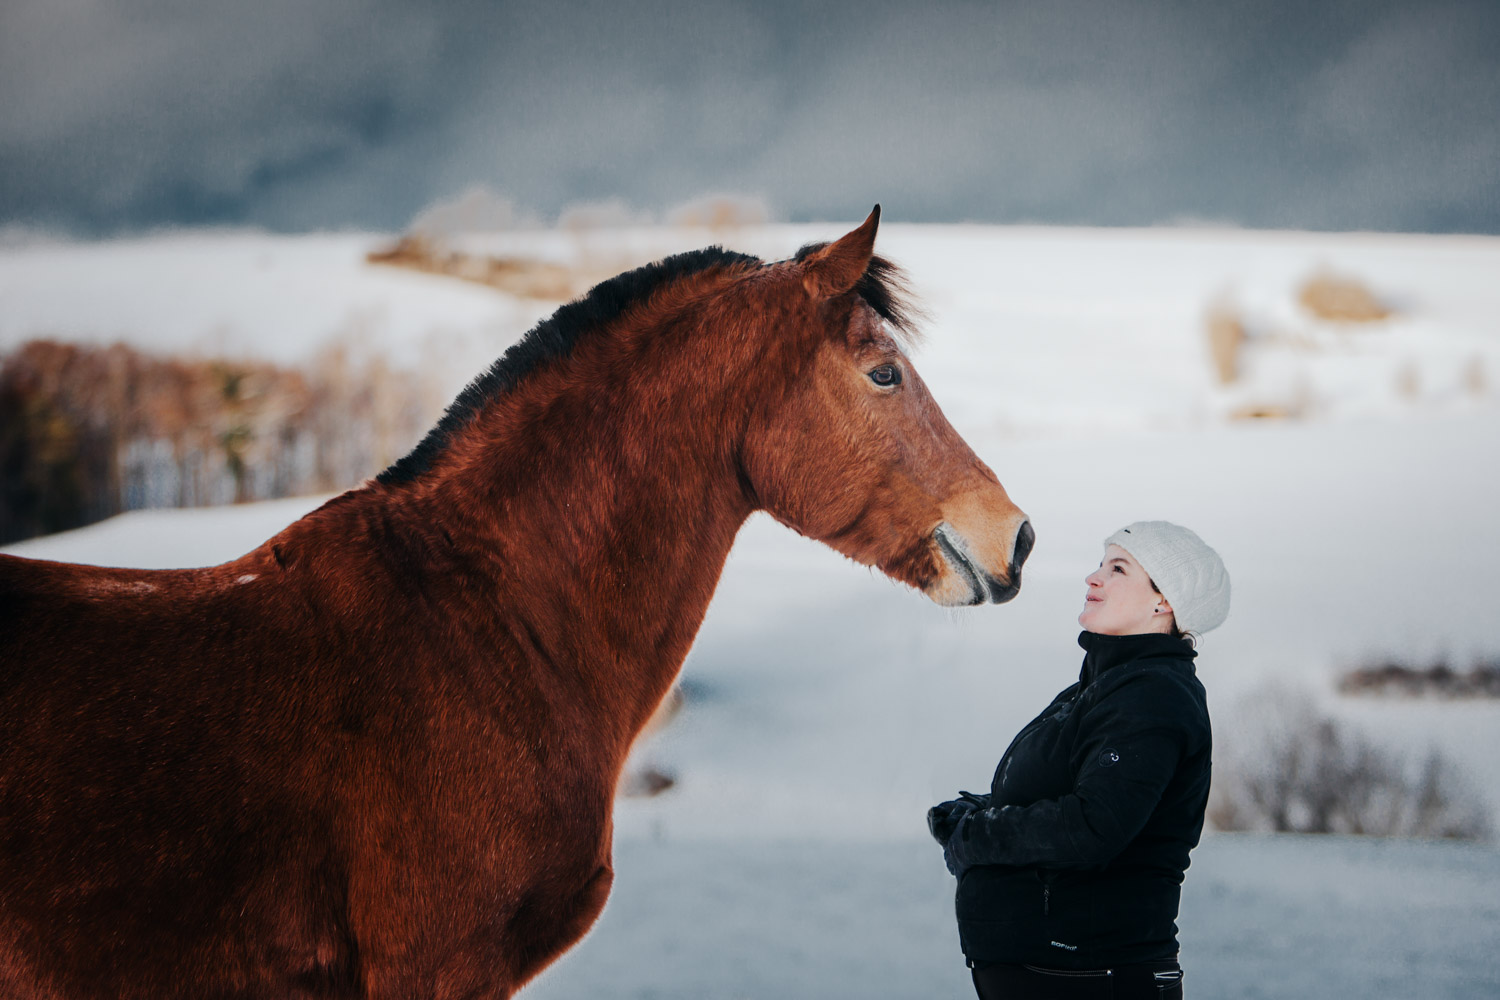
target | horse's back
[
  {"x": 135, "y": 830},
  {"x": 69, "y": 619}
]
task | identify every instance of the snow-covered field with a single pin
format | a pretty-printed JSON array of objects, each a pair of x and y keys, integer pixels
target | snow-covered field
[{"x": 828, "y": 707}]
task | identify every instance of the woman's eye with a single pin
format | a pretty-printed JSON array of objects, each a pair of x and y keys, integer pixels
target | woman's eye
[
  {"x": 886, "y": 375},
  {"x": 1120, "y": 569}
]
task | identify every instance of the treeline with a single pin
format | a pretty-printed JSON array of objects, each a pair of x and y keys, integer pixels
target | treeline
[{"x": 88, "y": 432}]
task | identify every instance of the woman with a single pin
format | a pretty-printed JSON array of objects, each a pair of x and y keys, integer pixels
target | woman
[{"x": 1070, "y": 870}]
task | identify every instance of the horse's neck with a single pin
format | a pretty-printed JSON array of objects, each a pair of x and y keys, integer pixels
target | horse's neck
[{"x": 604, "y": 529}]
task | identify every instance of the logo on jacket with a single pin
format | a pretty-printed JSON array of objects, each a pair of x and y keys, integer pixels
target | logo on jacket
[{"x": 1109, "y": 757}]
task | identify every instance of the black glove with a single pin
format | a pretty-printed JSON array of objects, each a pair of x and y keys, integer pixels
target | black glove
[
  {"x": 958, "y": 852},
  {"x": 943, "y": 817},
  {"x": 954, "y": 855}
]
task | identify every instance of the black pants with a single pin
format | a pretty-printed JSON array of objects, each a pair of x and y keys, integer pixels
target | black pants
[{"x": 1144, "y": 981}]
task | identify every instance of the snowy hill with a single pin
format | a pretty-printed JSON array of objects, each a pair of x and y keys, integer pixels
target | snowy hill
[
  {"x": 828, "y": 707},
  {"x": 1029, "y": 326}
]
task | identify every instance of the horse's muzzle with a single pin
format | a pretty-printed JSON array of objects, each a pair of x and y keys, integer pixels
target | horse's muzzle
[{"x": 984, "y": 585}]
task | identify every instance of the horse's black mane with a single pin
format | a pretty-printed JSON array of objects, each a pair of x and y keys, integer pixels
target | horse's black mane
[{"x": 554, "y": 337}]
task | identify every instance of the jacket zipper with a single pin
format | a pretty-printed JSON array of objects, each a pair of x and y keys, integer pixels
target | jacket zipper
[
  {"x": 1031, "y": 727},
  {"x": 1046, "y": 900}
]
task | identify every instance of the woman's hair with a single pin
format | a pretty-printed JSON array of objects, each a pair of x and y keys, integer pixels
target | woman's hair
[{"x": 1177, "y": 633}]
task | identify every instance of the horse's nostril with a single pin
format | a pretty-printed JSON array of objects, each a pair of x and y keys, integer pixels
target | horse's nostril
[{"x": 1025, "y": 539}]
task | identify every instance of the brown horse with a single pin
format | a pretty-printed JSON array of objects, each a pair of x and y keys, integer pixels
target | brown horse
[{"x": 376, "y": 756}]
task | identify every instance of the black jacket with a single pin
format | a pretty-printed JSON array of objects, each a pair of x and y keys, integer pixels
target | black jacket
[{"x": 1077, "y": 861}]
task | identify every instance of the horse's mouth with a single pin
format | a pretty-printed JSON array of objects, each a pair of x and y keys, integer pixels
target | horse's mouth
[{"x": 982, "y": 586}]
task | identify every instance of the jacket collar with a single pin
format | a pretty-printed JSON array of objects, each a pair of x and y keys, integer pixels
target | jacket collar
[{"x": 1103, "y": 652}]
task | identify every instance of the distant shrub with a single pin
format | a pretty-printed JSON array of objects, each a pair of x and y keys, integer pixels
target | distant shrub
[
  {"x": 476, "y": 210},
  {"x": 1285, "y": 768},
  {"x": 1226, "y": 337},
  {"x": 522, "y": 276},
  {"x": 646, "y": 783},
  {"x": 1438, "y": 679},
  {"x": 89, "y": 432},
  {"x": 641, "y": 780},
  {"x": 1265, "y": 411},
  {"x": 1475, "y": 381},
  {"x": 609, "y": 213},
  {"x": 1295, "y": 402},
  {"x": 721, "y": 212},
  {"x": 1339, "y": 298}
]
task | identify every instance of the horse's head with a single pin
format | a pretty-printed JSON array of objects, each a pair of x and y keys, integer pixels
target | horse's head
[{"x": 855, "y": 452}]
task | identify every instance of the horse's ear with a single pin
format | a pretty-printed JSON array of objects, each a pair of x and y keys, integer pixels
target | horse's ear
[{"x": 836, "y": 268}]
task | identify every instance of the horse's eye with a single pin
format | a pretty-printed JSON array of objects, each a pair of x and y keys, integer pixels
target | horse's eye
[{"x": 886, "y": 375}]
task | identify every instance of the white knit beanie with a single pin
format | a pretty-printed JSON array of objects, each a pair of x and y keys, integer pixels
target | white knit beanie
[{"x": 1189, "y": 574}]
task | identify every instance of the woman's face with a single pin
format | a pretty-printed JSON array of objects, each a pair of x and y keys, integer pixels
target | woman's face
[{"x": 1120, "y": 599}]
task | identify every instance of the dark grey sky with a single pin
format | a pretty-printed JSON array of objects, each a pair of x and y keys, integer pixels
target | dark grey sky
[{"x": 120, "y": 114}]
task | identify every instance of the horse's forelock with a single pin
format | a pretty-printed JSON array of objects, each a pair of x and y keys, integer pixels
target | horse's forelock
[{"x": 885, "y": 288}]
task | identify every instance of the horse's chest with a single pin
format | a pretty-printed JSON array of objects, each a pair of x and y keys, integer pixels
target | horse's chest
[
  {"x": 551, "y": 807},
  {"x": 550, "y": 873}
]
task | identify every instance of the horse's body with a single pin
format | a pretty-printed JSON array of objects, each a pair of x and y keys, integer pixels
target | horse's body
[{"x": 376, "y": 756}]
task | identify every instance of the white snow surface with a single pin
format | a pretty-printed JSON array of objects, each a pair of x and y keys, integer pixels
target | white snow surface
[{"x": 828, "y": 707}]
